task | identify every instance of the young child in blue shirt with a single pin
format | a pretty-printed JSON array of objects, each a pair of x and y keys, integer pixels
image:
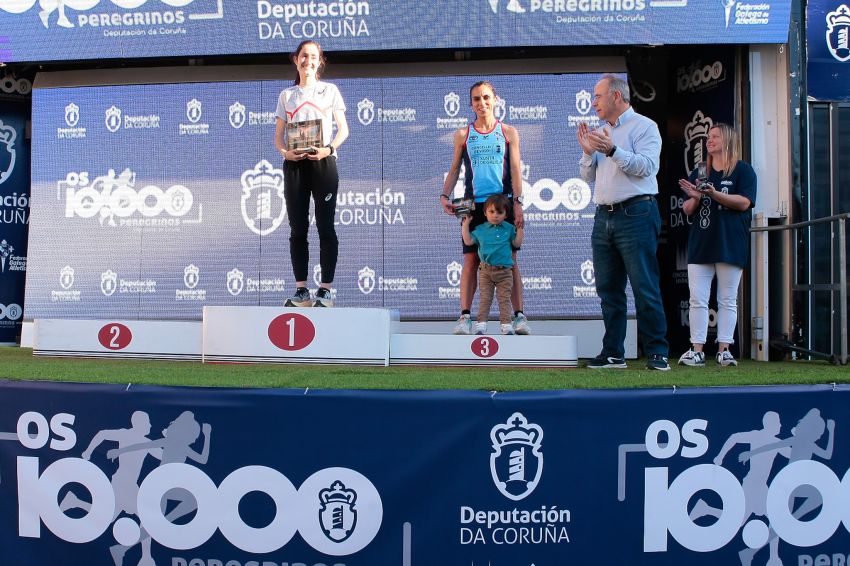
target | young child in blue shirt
[{"x": 496, "y": 240}]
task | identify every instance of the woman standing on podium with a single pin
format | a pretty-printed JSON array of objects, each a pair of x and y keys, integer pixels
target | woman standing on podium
[
  {"x": 489, "y": 152},
  {"x": 305, "y": 115}
]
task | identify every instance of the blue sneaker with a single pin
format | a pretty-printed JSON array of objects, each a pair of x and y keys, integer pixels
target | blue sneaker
[
  {"x": 606, "y": 362},
  {"x": 657, "y": 362}
]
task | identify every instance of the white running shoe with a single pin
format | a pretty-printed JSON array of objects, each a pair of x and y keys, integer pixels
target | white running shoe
[
  {"x": 520, "y": 324},
  {"x": 725, "y": 358},
  {"x": 692, "y": 358},
  {"x": 480, "y": 328},
  {"x": 463, "y": 326},
  {"x": 507, "y": 329}
]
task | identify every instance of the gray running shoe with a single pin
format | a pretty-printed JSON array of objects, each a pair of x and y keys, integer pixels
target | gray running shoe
[
  {"x": 301, "y": 298},
  {"x": 692, "y": 358},
  {"x": 323, "y": 298}
]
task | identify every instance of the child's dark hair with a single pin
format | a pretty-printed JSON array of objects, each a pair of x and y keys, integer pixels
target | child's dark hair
[{"x": 499, "y": 202}]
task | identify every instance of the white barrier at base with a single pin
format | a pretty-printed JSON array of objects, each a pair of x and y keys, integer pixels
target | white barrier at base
[
  {"x": 435, "y": 349},
  {"x": 154, "y": 339},
  {"x": 298, "y": 335}
]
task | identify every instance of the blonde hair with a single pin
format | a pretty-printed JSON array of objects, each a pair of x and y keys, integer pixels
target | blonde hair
[{"x": 730, "y": 151}]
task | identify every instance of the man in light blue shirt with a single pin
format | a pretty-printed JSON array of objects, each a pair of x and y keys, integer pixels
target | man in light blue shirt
[{"x": 622, "y": 158}]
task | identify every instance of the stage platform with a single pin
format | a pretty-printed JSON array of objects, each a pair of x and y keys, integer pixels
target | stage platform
[{"x": 319, "y": 336}]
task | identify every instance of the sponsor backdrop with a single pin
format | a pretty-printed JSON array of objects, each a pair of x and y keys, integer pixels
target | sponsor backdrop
[
  {"x": 152, "y": 201},
  {"x": 105, "y": 474},
  {"x": 14, "y": 218},
  {"x": 702, "y": 89},
  {"x": 88, "y": 29},
  {"x": 828, "y": 49}
]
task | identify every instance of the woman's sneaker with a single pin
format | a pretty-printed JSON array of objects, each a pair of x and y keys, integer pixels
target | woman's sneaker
[
  {"x": 301, "y": 298},
  {"x": 725, "y": 358},
  {"x": 692, "y": 358},
  {"x": 480, "y": 327},
  {"x": 463, "y": 326},
  {"x": 507, "y": 329},
  {"x": 520, "y": 324},
  {"x": 323, "y": 298}
]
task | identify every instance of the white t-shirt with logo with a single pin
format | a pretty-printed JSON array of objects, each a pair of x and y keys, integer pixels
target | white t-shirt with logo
[{"x": 318, "y": 101}]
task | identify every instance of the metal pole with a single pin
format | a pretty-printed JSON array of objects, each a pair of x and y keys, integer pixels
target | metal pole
[{"x": 842, "y": 291}]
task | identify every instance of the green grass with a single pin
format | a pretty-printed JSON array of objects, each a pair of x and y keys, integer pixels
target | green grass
[{"x": 19, "y": 364}]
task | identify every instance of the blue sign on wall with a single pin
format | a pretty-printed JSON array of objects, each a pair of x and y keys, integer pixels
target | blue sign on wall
[
  {"x": 14, "y": 220},
  {"x": 58, "y": 30},
  {"x": 152, "y": 201},
  {"x": 828, "y": 50},
  {"x": 111, "y": 475}
]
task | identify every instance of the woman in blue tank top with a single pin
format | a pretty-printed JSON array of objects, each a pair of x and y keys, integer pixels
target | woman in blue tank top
[{"x": 489, "y": 151}]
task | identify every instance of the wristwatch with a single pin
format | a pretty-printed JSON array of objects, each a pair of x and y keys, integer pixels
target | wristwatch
[
  {"x": 520, "y": 199},
  {"x": 613, "y": 150},
  {"x": 332, "y": 148}
]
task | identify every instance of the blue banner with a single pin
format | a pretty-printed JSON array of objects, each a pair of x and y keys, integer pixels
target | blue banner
[
  {"x": 828, "y": 50},
  {"x": 14, "y": 219},
  {"x": 112, "y": 475},
  {"x": 152, "y": 201},
  {"x": 58, "y": 30}
]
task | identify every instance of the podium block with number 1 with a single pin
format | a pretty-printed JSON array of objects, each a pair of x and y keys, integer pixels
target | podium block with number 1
[{"x": 298, "y": 335}]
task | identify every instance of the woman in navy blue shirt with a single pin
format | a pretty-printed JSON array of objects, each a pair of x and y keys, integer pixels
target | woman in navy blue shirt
[{"x": 719, "y": 240}]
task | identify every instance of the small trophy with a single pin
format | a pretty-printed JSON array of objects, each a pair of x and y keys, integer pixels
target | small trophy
[
  {"x": 301, "y": 136},
  {"x": 701, "y": 181},
  {"x": 463, "y": 206}
]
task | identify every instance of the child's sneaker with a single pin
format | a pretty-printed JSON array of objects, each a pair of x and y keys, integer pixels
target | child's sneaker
[
  {"x": 463, "y": 326},
  {"x": 323, "y": 298},
  {"x": 480, "y": 327},
  {"x": 507, "y": 329},
  {"x": 301, "y": 298},
  {"x": 520, "y": 324},
  {"x": 692, "y": 358},
  {"x": 725, "y": 358}
]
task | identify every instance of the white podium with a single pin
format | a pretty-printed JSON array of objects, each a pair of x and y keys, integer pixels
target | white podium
[
  {"x": 483, "y": 350},
  {"x": 298, "y": 335},
  {"x": 150, "y": 339}
]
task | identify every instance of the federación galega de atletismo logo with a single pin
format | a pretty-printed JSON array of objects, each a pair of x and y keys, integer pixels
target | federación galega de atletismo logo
[{"x": 516, "y": 462}]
